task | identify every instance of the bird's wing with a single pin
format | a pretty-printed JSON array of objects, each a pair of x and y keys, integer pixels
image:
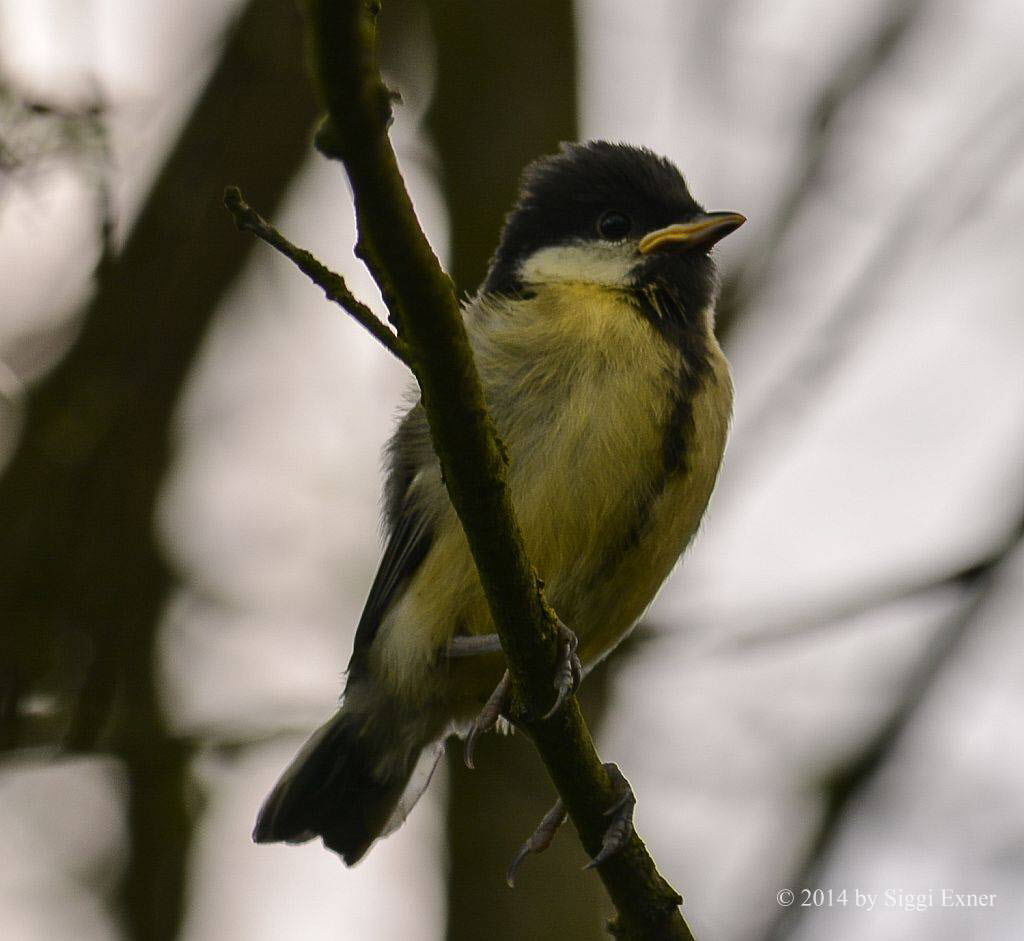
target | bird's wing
[
  {"x": 410, "y": 531},
  {"x": 406, "y": 549}
]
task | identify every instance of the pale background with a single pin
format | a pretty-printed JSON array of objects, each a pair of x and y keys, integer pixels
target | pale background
[{"x": 876, "y": 455}]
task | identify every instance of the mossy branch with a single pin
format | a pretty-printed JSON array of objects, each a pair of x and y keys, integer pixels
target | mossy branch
[{"x": 422, "y": 304}]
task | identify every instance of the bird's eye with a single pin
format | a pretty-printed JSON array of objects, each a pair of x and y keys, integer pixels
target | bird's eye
[{"x": 613, "y": 225}]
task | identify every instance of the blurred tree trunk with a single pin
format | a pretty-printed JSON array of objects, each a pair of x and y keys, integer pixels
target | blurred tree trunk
[
  {"x": 82, "y": 582},
  {"x": 491, "y": 812},
  {"x": 506, "y": 93}
]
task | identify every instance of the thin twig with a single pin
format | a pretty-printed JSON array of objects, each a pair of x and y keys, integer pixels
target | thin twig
[{"x": 333, "y": 284}]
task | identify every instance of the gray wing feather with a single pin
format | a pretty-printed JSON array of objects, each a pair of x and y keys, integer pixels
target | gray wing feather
[{"x": 410, "y": 531}]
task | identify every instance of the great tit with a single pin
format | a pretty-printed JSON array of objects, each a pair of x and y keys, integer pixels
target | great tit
[{"x": 594, "y": 338}]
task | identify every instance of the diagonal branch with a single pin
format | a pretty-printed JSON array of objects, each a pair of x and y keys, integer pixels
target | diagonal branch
[
  {"x": 332, "y": 283},
  {"x": 422, "y": 303}
]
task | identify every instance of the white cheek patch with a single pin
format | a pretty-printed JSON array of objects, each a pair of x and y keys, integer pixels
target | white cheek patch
[{"x": 603, "y": 263}]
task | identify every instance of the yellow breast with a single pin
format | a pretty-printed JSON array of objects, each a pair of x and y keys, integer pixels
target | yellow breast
[{"x": 580, "y": 388}]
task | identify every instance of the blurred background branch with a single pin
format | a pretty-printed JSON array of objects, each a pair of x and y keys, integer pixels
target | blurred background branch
[
  {"x": 849, "y": 782},
  {"x": 79, "y": 566},
  {"x": 997, "y": 135},
  {"x": 862, "y": 63}
]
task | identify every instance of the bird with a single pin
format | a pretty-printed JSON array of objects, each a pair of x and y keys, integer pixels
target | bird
[{"x": 593, "y": 335}]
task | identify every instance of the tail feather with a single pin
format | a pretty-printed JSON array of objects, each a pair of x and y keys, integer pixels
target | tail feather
[{"x": 346, "y": 785}]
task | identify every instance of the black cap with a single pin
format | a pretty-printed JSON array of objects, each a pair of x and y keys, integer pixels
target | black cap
[{"x": 565, "y": 198}]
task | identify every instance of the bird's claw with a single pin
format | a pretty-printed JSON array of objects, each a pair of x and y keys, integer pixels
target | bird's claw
[
  {"x": 488, "y": 716},
  {"x": 568, "y": 676},
  {"x": 621, "y": 827},
  {"x": 616, "y": 836},
  {"x": 569, "y": 671},
  {"x": 539, "y": 840}
]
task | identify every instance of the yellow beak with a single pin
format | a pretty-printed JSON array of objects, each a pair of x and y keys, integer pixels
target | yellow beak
[{"x": 701, "y": 232}]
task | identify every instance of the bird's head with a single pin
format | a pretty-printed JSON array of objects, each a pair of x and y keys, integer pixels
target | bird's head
[{"x": 612, "y": 216}]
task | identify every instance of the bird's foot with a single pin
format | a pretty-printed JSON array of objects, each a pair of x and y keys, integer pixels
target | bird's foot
[
  {"x": 488, "y": 716},
  {"x": 568, "y": 676},
  {"x": 568, "y": 671},
  {"x": 616, "y": 836},
  {"x": 620, "y": 829},
  {"x": 539, "y": 840}
]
